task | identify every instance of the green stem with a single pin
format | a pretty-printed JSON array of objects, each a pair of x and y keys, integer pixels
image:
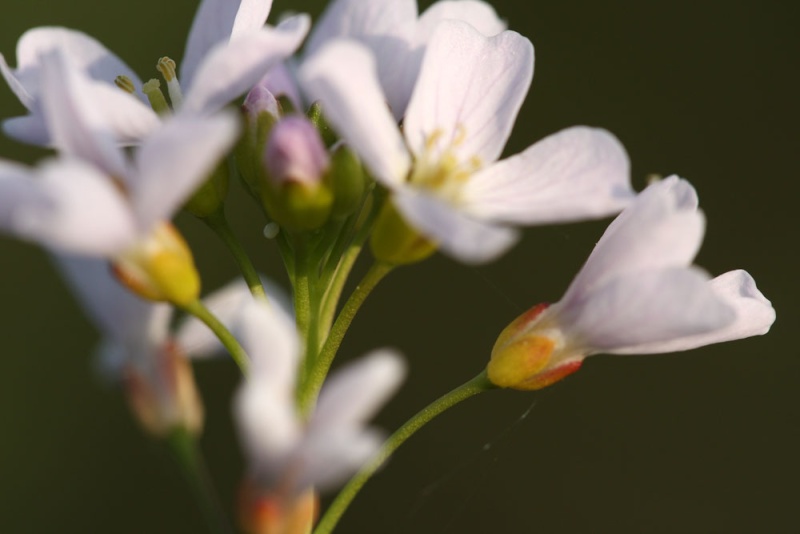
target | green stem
[
  {"x": 188, "y": 456},
  {"x": 322, "y": 363},
  {"x": 198, "y": 310},
  {"x": 219, "y": 224},
  {"x": 339, "y": 505}
]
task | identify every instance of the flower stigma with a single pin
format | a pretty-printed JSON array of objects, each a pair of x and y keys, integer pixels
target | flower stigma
[{"x": 440, "y": 169}]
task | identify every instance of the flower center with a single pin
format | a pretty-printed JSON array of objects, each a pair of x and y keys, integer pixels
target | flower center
[
  {"x": 152, "y": 88},
  {"x": 441, "y": 168}
]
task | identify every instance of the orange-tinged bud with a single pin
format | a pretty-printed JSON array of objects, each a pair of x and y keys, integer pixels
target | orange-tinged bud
[
  {"x": 531, "y": 353},
  {"x": 160, "y": 267},
  {"x": 276, "y": 514},
  {"x": 162, "y": 393}
]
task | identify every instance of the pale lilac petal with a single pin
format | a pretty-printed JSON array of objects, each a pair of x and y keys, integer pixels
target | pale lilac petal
[
  {"x": 67, "y": 206},
  {"x": 387, "y": 28},
  {"x": 218, "y": 21},
  {"x": 269, "y": 337},
  {"x": 114, "y": 309},
  {"x": 197, "y": 341},
  {"x": 737, "y": 289},
  {"x": 176, "y": 160},
  {"x": 457, "y": 234},
  {"x": 328, "y": 459},
  {"x": 355, "y": 393},
  {"x": 16, "y": 85},
  {"x": 578, "y": 173},
  {"x": 75, "y": 120},
  {"x": 644, "y": 307},
  {"x": 343, "y": 76},
  {"x": 469, "y": 91},
  {"x": 82, "y": 51},
  {"x": 661, "y": 228},
  {"x": 31, "y": 129},
  {"x": 268, "y": 426},
  {"x": 477, "y": 14},
  {"x": 280, "y": 80},
  {"x": 231, "y": 69}
]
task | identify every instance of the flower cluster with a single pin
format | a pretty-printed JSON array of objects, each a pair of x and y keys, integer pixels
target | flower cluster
[{"x": 385, "y": 132}]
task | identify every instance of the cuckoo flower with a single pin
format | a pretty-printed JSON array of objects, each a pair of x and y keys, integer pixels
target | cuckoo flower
[
  {"x": 397, "y": 36},
  {"x": 138, "y": 349},
  {"x": 442, "y": 168},
  {"x": 95, "y": 200},
  {"x": 228, "y": 50},
  {"x": 636, "y": 294},
  {"x": 289, "y": 456}
]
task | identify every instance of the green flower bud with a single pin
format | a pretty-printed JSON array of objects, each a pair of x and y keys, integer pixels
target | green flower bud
[
  {"x": 347, "y": 181},
  {"x": 393, "y": 241}
]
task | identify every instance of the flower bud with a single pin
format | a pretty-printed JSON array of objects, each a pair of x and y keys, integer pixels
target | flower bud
[
  {"x": 393, "y": 241},
  {"x": 347, "y": 182},
  {"x": 531, "y": 353},
  {"x": 276, "y": 514},
  {"x": 296, "y": 193},
  {"x": 261, "y": 111},
  {"x": 260, "y": 101},
  {"x": 160, "y": 267},
  {"x": 162, "y": 393}
]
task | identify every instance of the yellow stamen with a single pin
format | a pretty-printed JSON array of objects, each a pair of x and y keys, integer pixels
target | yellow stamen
[
  {"x": 125, "y": 83},
  {"x": 166, "y": 67}
]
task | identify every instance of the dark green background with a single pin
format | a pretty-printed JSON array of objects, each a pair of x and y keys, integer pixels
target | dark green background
[{"x": 704, "y": 441}]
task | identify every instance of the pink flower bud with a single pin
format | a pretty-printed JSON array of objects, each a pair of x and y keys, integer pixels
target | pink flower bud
[
  {"x": 295, "y": 153},
  {"x": 260, "y": 100}
]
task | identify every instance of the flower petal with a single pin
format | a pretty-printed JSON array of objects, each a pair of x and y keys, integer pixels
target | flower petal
[
  {"x": 269, "y": 337},
  {"x": 175, "y": 160},
  {"x": 343, "y": 76},
  {"x": 195, "y": 338},
  {"x": 387, "y": 28},
  {"x": 661, "y": 228},
  {"x": 82, "y": 51},
  {"x": 355, "y": 393},
  {"x": 578, "y": 173},
  {"x": 477, "y": 14},
  {"x": 231, "y": 69},
  {"x": 31, "y": 129},
  {"x": 737, "y": 289},
  {"x": 218, "y": 21},
  {"x": 114, "y": 310},
  {"x": 469, "y": 91},
  {"x": 68, "y": 206},
  {"x": 16, "y": 85},
  {"x": 644, "y": 307},
  {"x": 76, "y": 123},
  {"x": 467, "y": 239},
  {"x": 327, "y": 459}
]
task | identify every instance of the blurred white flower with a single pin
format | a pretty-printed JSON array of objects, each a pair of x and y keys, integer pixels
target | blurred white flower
[
  {"x": 442, "y": 166},
  {"x": 287, "y": 454},
  {"x": 636, "y": 294},
  {"x": 227, "y": 52}
]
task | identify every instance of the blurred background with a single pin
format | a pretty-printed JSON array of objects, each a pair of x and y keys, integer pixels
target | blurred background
[{"x": 704, "y": 441}]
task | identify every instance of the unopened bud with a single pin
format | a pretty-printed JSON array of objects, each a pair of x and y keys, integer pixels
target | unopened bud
[
  {"x": 347, "y": 181},
  {"x": 296, "y": 193},
  {"x": 162, "y": 393},
  {"x": 261, "y": 111},
  {"x": 531, "y": 353},
  {"x": 275, "y": 513},
  {"x": 160, "y": 267},
  {"x": 260, "y": 100},
  {"x": 393, "y": 241}
]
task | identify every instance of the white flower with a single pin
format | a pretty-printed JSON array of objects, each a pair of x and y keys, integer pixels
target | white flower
[
  {"x": 442, "y": 169},
  {"x": 228, "y": 50},
  {"x": 636, "y": 294},
  {"x": 138, "y": 349},
  {"x": 396, "y": 35},
  {"x": 94, "y": 199},
  {"x": 289, "y": 455}
]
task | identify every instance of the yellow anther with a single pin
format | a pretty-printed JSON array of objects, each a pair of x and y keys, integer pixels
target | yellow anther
[
  {"x": 461, "y": 135},
  {"x": 125, "y": 83},
  {"x": 166, "y": 67},
  {"x": 433, "y": 138}
]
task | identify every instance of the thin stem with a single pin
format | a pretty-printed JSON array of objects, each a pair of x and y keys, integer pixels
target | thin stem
[
  {"x": 317, "y": 374},
  {"x": 188, "y": 456},
  {"x": 219, "y": 224},
  {"x": 198, "y": 309},
  {"x": 339, "y": 505}
]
